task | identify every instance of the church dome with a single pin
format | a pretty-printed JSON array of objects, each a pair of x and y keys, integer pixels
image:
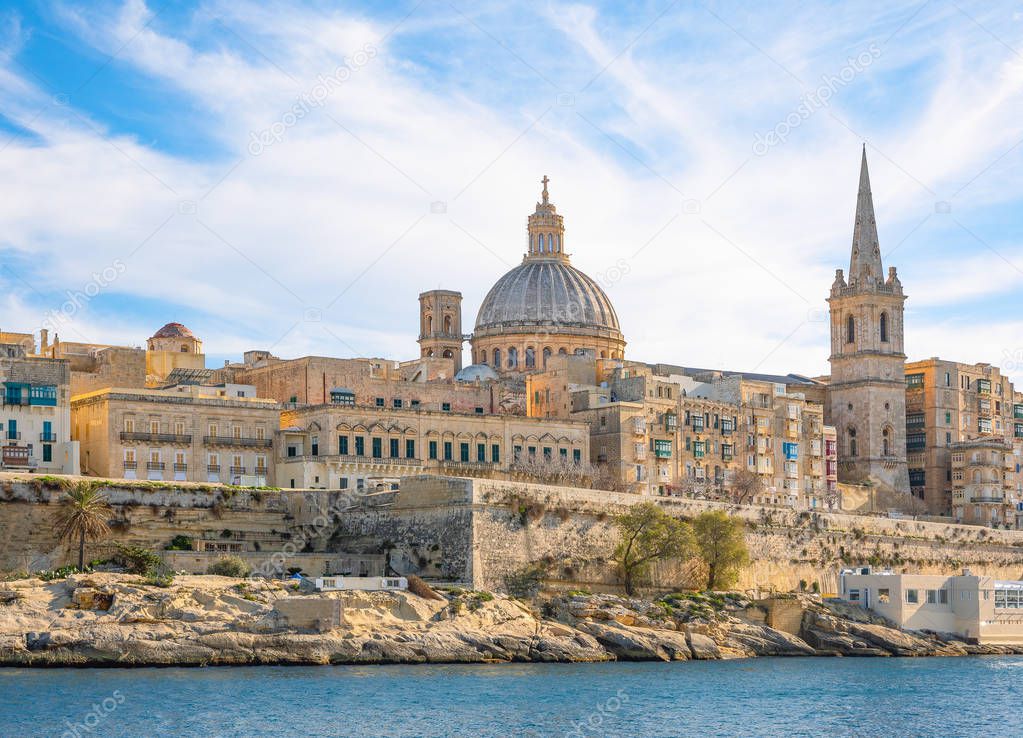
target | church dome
[
  {"x": 173, "y": 330},
  {"x": 544, "y": 306},
  {"x": 547, "y": 292},
  {"x": 476, "y": 373}
]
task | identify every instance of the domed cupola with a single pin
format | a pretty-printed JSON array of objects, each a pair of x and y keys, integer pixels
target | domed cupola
[{"x": 545, "y": 305}]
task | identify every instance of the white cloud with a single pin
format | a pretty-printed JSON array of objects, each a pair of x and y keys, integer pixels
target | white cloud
[{"x": 347, "y": 189}]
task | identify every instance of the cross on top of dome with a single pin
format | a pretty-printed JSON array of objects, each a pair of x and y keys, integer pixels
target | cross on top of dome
[{"x": 546, "y": 229}]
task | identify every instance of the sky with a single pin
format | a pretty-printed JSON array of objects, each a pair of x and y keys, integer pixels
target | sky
[{"x": 289, "y": 176}]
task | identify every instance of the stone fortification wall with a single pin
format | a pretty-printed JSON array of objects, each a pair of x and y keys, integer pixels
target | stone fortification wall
[{"x": 482, "y": 532}]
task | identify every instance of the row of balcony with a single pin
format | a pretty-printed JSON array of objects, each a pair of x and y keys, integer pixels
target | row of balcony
[
  {"x": 186, "y": 438},
  {"x": 211, "y": 468},
  {"x": 44, "y": 437}
]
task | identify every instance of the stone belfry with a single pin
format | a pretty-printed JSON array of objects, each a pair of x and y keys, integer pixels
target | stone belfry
[
  {"x": 867, "y": 391},
  {"x": 440, "y": 325}
]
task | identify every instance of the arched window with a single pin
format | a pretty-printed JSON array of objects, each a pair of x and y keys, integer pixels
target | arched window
[
  {"x": 429, "y": 324},
  {"x": 448, "y": 354},
  {"x": 562, "y": 351},
  {"x": 447, "y": 324},
  {"x": 184, "y": 348},
  {"x": 546, "y": 356},
  {"x": 513, "y": 358},
  {"x": 852, "y": 442},
  {"x": 850, "y": 330},
  {"x": 482, "y": 358},
  {"x": 497, "y": 358},
  {"x": 557, "y": 243},
  {"x": 530, "y": 358},
  {"x": 885, "y": 444},
  {"x": 884, "y": 327}
]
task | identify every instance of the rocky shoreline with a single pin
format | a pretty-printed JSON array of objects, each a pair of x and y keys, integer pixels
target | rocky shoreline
[{"x": 118, "y": 620}]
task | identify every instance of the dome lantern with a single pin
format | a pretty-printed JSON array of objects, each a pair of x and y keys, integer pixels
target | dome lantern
[{"x": 546, "y": 229}]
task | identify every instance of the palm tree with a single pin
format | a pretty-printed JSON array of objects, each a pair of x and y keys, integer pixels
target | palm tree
[{"x": 83, "y": 517}]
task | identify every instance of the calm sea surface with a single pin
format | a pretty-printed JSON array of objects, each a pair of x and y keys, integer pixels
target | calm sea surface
[{"x": 761, "y": 697}]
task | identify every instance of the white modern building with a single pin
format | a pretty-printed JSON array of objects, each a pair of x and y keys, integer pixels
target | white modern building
[{"x": 978, "y": 608}]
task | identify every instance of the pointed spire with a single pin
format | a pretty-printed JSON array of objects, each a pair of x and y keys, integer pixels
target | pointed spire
[{"x": 866, "y": 252}]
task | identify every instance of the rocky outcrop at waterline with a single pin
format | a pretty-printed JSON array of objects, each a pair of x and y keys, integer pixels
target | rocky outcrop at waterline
[{"x": 118, "y": 620}]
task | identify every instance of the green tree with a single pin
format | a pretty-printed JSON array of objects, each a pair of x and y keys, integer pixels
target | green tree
[
  {"x": 721, "y": 543},
  {"x": 83, "y": 516},
  {"x": 649, "y": 534}
]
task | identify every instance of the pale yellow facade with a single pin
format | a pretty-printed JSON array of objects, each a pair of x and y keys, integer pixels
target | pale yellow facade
[{"x": 186, "y": 433}]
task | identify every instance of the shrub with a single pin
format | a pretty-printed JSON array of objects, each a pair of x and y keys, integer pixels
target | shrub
[
  {"x": 526, "y": 581},
  {"x": 181, "y": 543},
  {"x": 61, "y": 573},
  {"x": 136, "y": 559},
  {"x": 229, "y": 566},
  {"x": 158, "y": 579}
]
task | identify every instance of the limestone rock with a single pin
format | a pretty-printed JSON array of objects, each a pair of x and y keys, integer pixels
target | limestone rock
[{"x": 639, "y": 644}]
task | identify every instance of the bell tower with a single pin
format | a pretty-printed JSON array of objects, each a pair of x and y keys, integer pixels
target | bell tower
[
  {"x": 440, "y": 325},
  {"x": 867, "y": 392}
]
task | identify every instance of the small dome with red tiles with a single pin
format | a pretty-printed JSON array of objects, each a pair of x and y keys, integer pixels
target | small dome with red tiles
[{"x": 173, "y": 330}]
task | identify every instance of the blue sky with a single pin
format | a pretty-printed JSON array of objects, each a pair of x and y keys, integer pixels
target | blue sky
[{"x": 269, "y": 173}]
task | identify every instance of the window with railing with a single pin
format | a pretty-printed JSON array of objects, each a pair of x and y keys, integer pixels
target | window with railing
[
  {"x": 914, "y": 380},
  {"x": 914, "y": 420},
  {"x": 984, "y": 386},
  {"x": 917, "y": 477},
  {"x": 916, "y": 441},
  {"x": 662, "y": 449}
]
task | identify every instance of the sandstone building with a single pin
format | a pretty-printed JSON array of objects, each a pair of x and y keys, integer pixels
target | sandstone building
[
  {"x": 342, "y": 445},
  {"x": 984, "y": 482},
  {"x": 657, "y": 430},
  {"x": 948, "y": 403},
  {"x": 187, "y": 433},
  {"x": 866, "y": 392},
  {"x": 35, "y": 414},
  {"x": 428, "y": 383}
]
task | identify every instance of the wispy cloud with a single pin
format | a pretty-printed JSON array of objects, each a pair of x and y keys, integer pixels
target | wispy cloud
[{"x": 644, "y": 118}]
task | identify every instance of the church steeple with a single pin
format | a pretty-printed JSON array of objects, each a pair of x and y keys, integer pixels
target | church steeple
[
  {"x": 546, "y": 229},
  {"x": 865, "y": 263}
]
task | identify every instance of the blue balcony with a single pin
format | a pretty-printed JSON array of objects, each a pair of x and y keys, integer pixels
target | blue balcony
[{"x": 43, "y": 395}]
